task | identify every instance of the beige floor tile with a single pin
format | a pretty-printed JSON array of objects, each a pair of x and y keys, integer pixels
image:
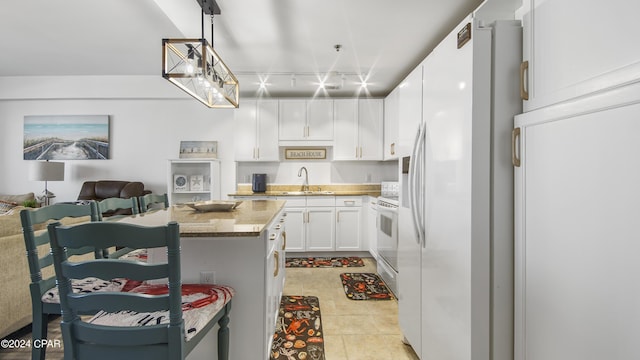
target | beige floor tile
[
  {"x": 377, "y": 347},
  {"x": 334, "y": 348}
]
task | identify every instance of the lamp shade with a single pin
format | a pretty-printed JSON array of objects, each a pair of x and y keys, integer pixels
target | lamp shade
[{"x": 46, "y": 171}]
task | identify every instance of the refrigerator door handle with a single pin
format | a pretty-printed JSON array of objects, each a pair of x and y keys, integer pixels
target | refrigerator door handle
[
  {"x": 421, "y": 183},
  {"x": 413, "y": 192}
]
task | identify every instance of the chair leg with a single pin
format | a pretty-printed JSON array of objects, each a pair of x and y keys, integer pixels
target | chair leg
[
  {"x": 223, "y": 336},
  {"x": 39, "y": 328}
]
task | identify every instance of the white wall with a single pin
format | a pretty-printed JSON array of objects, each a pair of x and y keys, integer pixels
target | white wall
[
  {"x": 144, "y": 134},
  {"x": 148, "y": 119}
]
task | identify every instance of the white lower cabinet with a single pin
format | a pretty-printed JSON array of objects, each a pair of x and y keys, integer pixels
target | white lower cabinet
[
  {"x": 349, "y": 223},
  {"x": 576, "y": 238},
  {"x": 370, "y": 233},
  {"x": 320, "y": 229},
  {"x": 274, "y": 276},
  {"x": 326, "y": 223},
  {"x": 295, "y": 228},
  {"x": 320, "y": 223}
]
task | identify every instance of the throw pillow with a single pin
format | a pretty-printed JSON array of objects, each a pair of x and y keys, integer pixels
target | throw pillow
[{"x": 6, "y": 206}]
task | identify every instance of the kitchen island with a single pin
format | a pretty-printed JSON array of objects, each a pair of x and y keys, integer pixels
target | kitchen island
[{"x": 244, "y": 249}]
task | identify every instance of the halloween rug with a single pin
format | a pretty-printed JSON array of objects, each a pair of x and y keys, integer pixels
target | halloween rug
[
  {"x": 315, "y": 262},
  {"x": 298, "y": 330},
  {"x": 365, "y": 286}
]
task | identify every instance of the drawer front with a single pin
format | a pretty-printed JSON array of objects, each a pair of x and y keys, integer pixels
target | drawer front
[
  {"x": 348, "y": 201},
  {"x": 295, "y": 201},
  {"x": 321, "y": 201}
]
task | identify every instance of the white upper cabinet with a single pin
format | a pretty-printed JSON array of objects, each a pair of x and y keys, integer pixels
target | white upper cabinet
[
  {"x": 245, "y": 131},
  {"x": 573, "y": 48},
  {"x": 391, "y": 125},
  {"x": 293, "y": 119},
  {"x": 410, "y": 110},
  {"x": 370, "y": 126},
  {"x": 267, "y": 122},
  {"x": 256, "y": 131},
  {"x": 320, "y": 119},
  {"x": 358, "y": 129},
  {"x": 345, "y": 135},
  {"x": 306, "y": 120}
]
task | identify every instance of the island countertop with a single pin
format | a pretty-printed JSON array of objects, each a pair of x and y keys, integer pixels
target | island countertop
[{"x": 249, "y": 218}]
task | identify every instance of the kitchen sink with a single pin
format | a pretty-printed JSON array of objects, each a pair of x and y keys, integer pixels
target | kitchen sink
[{"x": 308, "y": 193}]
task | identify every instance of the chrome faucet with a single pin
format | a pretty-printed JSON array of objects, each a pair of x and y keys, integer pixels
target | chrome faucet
[{"x": 305, "y": 184}]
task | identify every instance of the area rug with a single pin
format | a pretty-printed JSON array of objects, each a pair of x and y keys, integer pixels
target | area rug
[
  {"x": 365, "y": 286},
  {"x": 315, "y": 262},
  {"x": 299, "y": 330}
]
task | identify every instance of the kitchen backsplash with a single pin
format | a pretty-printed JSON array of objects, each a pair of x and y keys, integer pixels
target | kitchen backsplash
[{"x": 348, "y": 172}]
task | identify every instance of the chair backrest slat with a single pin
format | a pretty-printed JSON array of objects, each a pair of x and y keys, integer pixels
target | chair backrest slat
[
  {"x": 115, "y": 351},
  {"x": 108, "y": 234},
  {"x": 97, "y": 334},
  {"x": 108, "y": 269},
  {"x": 118, "y": 301}
]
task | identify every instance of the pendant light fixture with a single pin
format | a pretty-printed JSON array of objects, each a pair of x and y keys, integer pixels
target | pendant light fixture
[{"x": 193, "y": 66}]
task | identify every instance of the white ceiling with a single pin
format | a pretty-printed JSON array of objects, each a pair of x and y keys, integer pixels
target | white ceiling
[{"x": 270, "y": 39}]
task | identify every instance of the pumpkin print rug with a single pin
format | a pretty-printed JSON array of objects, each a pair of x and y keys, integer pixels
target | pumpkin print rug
[
  {"x": 365, "y": 286},
  {"x": 315, "y": 262},
  {"x": 298, "y": 333}
]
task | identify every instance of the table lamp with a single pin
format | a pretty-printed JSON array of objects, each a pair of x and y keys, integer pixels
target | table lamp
[{"x": 46, "y": 171}]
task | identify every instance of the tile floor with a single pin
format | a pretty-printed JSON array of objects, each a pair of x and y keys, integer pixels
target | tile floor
[
  {"x": 352, "y": 329},
  {"x": 365, "y": 329}
]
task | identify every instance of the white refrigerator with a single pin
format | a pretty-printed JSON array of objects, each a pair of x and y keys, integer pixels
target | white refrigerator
[{"x": 458, "y": 248}]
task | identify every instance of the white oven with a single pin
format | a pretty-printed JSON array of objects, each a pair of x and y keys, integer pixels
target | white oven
[{"x": 387, "y": 241}]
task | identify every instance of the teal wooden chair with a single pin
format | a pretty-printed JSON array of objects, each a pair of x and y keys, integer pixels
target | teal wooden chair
[
  {"x": 43, "y": 290},
  {"x": 151, "y": 199},
  {"x": 129, "y": 326},
  {"x": 108, "y": 209}
]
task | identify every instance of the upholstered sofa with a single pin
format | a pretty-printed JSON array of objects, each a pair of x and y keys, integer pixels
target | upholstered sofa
[
  {"x": 103, "y": 189},
  {"x": 15, "y": 301}
]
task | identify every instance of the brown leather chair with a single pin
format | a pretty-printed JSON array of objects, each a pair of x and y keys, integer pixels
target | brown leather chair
[{"x": 104, "y": 189}]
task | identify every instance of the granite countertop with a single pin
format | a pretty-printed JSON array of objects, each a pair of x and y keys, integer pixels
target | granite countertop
[
  {"x": 315, "y": 190},
  {"x": 249, "y": 218}
]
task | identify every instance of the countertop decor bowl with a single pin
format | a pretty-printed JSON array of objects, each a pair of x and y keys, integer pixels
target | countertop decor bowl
[{"x": 214, "y": 205}]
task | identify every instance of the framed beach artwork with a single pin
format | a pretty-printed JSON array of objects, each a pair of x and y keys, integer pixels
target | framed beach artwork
[
  {"x": 198, "y": 150},
  {"x": 66, "y": 137}
]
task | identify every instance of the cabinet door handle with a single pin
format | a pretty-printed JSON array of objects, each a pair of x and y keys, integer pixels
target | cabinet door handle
[
  {"x": 257, "y": 153},
  {"x": 524, "y": 92},
  {"x": 515, "y": 136},
  {"x": 284, "y": 240},
  {"x": 276, "y": 263},
  {"x": 278, "y": 226},
  {"x": 356, "y": 152},
  {"x": 338, "y": 216},
  {"x": 272, "y": 236},
  {"x": 393, "y": 148}
]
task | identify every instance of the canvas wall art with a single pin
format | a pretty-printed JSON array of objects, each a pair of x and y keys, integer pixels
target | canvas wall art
[{"x": 66, "y": 137}]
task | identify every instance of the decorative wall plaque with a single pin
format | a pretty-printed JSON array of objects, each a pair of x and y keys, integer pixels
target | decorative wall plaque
[{"x": 305, "y": 154}]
